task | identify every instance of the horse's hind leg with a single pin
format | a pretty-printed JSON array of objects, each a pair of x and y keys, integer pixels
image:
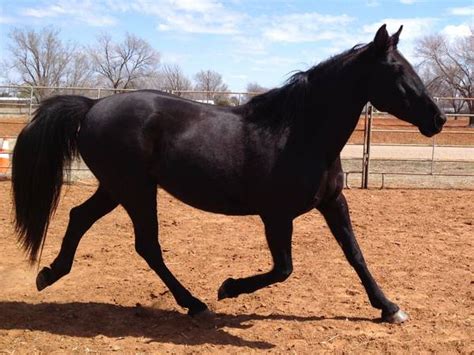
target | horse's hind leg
[
  {"x": 336, "y": 213},
  {"x": 141, "y": 206},
  {"x": 81, "y": 218},
  {"x": 278, "y": 232}
]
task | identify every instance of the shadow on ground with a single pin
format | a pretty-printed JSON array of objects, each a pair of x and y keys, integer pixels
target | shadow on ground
[{"x": 93, "y": 319}]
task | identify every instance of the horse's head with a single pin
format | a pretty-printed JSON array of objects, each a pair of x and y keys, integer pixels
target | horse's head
[{"x": 394, "y": 86}]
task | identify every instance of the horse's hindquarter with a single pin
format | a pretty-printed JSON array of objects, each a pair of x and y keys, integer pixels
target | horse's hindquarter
[{"x": 110, "y": 138}]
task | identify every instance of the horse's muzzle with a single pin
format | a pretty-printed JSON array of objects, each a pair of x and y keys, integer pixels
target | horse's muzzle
[
  {"x": 435, "y": 127},
  {"x": 439, "y": 121}
]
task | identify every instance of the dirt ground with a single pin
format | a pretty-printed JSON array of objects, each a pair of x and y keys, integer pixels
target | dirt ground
[{"x": 418, "y": 244}]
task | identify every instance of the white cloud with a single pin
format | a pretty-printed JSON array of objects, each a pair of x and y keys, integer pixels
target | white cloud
[
  {"x": 274, "y": 62},
  {"x": 52, "y": 11},
  {"x": 462, "y": 11},
  {"x": 306, "y": 27},
  {"x": 87, "y": 12},
  {"x": 239, "y": 76},
  {"x": 197, "y": 5},
  {"x": 412, "y": 27},
  {"x": 250, "y": 45},
  {"x": 453, "y": 31},
  {"x": 174, "y": 58},
  {"x": 6, "y": 19},
  {"x": 198, "y": 23},
  {"x": 408, "y": 2},
  {"x": 372, "y": 3},
  {"x": 189, "y": 16}
]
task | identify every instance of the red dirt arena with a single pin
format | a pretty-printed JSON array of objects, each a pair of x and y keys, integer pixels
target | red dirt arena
[{"x": 418, "y": 244}]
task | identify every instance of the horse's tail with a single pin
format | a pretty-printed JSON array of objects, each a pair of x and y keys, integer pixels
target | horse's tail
[{"x": 43, "y": 149}]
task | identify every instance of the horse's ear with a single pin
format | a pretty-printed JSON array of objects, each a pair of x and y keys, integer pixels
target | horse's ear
[
  {"x": 382, "y": 39},
  {"x": 396, "y": 37}
]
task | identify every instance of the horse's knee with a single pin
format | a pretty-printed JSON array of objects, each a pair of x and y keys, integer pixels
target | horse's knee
[{"x": 141, "y": 250}]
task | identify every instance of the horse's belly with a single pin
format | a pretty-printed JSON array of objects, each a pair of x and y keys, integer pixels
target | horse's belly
[{"x": 207, "y": 198}]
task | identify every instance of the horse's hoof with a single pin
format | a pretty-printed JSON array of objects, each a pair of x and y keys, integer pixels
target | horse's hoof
[
  {"x": 223, "y": 292},
  {"x": 395, "y": 318},
  {"x": 43, "y": 279},
  {"x": 196, "y": 308}
]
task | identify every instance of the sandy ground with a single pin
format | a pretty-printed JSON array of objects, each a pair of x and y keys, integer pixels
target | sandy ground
[{"x": 418, "y": 243}]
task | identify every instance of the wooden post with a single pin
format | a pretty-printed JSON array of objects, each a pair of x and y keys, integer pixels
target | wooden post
[
  {"x": 366, "y": 148},
  {"x": 31, "y": 103}
]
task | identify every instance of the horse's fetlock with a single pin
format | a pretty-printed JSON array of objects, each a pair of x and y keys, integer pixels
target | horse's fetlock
[
  {"x": 141, "y": 250},
  {"x": 283, "y": 273},
  {"x": 73, "y": 213}
]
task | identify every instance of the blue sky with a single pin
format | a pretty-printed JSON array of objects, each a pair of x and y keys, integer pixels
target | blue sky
[{"x": 244, "y": 40}]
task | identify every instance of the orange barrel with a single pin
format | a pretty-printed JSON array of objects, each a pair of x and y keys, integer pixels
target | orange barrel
[
  {"x": 4, "y": 158},
  {"x": 4, "y": 162}
]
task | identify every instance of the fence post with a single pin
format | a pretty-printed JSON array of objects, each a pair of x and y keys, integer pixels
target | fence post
[
  {"x": 366, "y": 119},
  {"x": 432, "y": 154},
  {"x": 31, "y": 103},
  {"x": 433, "y": 143},
  {"x": 366, "y": 148}
]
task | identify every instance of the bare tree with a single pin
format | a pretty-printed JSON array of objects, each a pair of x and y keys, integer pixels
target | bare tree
[
  {"x": 39, "y": 58},
  {"x": 440, "y": 88},
  {"x": 174, "y": 79},
  {"x": 153, "y": 80},
  {"x": 254, "y": 89},
  {"x": 79, "y": 72},
  {"x": 122, "y": 64},
  {"x": 449, "y": 67},
  {"x": 210, "y": 81}
]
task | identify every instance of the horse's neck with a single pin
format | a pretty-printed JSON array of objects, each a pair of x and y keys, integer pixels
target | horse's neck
[{"x": 343, "y": 101}]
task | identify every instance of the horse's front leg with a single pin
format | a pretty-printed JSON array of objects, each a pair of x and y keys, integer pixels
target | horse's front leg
[
  {"x": 278, "y": 232},
  {"x": 336, "y": 213}
]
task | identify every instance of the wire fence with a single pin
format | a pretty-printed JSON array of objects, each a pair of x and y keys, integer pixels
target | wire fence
[
  {"x": 382, "y": 153},
  {"x": 394, "y": 154}
]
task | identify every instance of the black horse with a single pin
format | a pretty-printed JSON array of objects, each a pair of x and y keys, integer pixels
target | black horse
[{"x": 277, "y": 156}]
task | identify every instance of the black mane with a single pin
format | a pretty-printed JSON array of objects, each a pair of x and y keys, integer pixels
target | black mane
[{"x": 286, "y": 102}]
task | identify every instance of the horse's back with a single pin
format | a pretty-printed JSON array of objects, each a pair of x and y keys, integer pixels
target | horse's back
[{"x": 194, "y": 151}]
